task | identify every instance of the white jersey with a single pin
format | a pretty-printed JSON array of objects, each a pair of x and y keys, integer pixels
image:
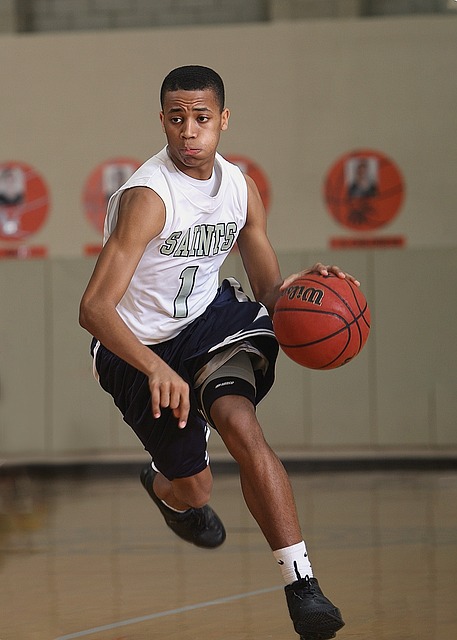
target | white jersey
[{"x": 178, "y": 274}]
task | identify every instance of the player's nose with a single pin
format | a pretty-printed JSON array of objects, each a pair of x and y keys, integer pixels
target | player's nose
[{"x": 188, "y": 129}]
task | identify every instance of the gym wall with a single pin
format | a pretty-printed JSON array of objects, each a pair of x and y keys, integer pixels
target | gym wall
[{"x": 302, "y": 95}]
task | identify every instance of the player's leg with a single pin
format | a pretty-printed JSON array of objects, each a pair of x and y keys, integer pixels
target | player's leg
[
  {"x": 269, "y": 497},
  {"x": 179, "y": 481},
  {"x": 266, "y": 487},
  {"x": 197, "y": 524},
  {"x": 228, "y": 399}
]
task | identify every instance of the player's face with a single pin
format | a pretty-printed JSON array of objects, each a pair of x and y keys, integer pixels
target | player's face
[{"x": 192, "y": 122}]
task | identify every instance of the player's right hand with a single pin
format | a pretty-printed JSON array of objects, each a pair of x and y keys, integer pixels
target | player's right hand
[{"x": 168, "y": 389}]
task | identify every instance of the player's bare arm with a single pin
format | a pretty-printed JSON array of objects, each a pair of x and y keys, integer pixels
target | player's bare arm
[
  {"x": 259, "y": 258},
  {"x": 141, "y": 218}
]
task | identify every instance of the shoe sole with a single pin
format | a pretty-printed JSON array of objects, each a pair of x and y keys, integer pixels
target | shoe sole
[
  {"x": 319, "y": 636},
  {"x": 324, "y": 634}
]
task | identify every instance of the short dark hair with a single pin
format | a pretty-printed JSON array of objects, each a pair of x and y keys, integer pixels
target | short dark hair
[{"x": 194, "y": 78}]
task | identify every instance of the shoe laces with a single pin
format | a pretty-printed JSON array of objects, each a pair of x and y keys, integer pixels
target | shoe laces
[
  {"x": 310, "y": 585},
  {"x": 201, "y": 518},
  {"x": 306, "y": 584}
]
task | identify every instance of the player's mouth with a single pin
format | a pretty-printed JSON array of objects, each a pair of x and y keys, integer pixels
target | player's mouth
[{"x": 190, "y": 152}]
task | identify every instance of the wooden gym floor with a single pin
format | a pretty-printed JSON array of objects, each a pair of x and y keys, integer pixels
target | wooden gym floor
[{"x": 88, "y": 556}]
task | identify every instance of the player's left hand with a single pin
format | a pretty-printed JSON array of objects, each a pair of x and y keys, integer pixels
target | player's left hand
[{"x": 323, "y": 270}]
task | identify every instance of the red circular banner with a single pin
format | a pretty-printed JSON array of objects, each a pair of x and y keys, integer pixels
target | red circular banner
[
  {"x": 364, "y": 190},
  {"x": 24, "y": 201},
  {"x": 102, "y": 183},
  {"x": 251, "y": 169}
]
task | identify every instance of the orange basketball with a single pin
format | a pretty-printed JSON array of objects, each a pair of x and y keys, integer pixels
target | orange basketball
[{"x": 321, "y": 322}]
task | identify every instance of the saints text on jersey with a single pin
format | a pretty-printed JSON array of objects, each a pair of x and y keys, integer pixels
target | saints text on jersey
[{"x": 201, "y": 240}]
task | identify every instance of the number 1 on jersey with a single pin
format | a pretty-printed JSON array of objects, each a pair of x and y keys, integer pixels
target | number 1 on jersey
[{"x": 187, "y": 278}]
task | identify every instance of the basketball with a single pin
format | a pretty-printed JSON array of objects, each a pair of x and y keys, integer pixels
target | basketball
[{"x": 321, "y": 322}]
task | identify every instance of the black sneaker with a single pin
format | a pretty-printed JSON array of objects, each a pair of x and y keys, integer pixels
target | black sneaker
[
  {"x": 313, "y": 615},
  {"x": 202, "y": 526}
]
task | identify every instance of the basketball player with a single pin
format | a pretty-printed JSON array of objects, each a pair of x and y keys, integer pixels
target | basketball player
[{"x": 178, "y": 353}]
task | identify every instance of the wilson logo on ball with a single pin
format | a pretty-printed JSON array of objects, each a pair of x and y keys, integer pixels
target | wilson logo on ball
[{"x": 307, "y": 294}]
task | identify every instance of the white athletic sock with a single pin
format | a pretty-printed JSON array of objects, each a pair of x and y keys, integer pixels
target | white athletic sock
[
  {"x": 294, "y": 562},
  {"x": 172, "y": 508}
]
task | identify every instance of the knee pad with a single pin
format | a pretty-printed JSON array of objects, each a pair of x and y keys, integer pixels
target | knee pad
[{"x": 234, "y": 378}]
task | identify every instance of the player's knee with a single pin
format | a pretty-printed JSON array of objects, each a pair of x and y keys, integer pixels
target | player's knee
[
  {"x": 237, "y": 423},
  {"x": 235, "y": 414}
]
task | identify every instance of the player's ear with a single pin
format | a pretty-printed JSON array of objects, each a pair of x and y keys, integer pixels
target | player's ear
[
  {"x": 225, "y": 115},
  {"x": 162, "y": 121}
]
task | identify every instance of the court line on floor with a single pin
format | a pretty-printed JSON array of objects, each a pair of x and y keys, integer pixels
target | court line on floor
[{"x": 170, "y": 612}]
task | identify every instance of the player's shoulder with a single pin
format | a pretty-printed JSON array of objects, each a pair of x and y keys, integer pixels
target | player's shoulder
[
  {"x": 139, "y": 196},
  {"x": 142, "y": 211},
  {"x": 252, "y": 186},
  {"x": 254, "y": 197},
  {"x": 143, "y": 204}
]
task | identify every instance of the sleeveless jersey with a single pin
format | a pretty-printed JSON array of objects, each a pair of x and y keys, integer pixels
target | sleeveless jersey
[{"x": 178, "y": 274}]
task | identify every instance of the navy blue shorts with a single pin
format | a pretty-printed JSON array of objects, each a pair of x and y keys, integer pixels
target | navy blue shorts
[{"x": 231, "y": 318}]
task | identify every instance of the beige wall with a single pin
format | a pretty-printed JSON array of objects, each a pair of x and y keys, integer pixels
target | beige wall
[
  {"x": 301, "y": 95},
  {"x": 398, "y": 393}
]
